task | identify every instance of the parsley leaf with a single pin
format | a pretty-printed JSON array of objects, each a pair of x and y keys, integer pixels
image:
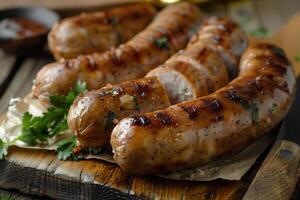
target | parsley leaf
[
  {"x": 6, "y": 197},
  {"x": 274, "y": 108},
  {"x": 162, "y": 43},
  {"x": 3, "y": 149},
  {"x": 136, "y": 103},
  {"x": 252, "y": 108},
  {"x": 65, "y": 147},
  {"x": 260, "y": 32},
  {"x": 37, "y": 129}
]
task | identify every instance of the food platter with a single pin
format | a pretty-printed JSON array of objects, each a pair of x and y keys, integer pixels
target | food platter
[{"x": 93, "y": 173}]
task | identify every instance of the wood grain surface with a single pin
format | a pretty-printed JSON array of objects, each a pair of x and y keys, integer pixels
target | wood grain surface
[
  {"x": 39, "y": 172},
  {"x": 278, "y": 174}
]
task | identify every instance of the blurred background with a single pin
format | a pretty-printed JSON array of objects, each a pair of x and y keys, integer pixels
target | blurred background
[{"x": 258, "y": 17}]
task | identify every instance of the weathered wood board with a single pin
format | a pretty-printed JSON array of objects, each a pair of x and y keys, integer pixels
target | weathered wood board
[{"x": 39, "y": 172}]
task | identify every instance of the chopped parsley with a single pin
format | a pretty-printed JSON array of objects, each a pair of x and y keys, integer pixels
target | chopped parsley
[
  {"x": 252, "y": 108},
  {"x": 136, "y": 103},
  {"x": 6, "y": 197},
  {"x": 37, "y": 129},
  {"x": 162, "y": 43},
  {"x": 260, "y": 32},
  {"x": 65, "y": 148},
  {"x": 274, "y": 108},
  {"x": 3, "y": 149}
]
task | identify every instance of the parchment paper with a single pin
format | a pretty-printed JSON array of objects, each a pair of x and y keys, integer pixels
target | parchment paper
[{"x": 232, "y": 168}]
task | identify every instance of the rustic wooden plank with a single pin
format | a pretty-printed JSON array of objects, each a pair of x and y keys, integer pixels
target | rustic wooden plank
[
  {"x": 109, "y": 180},
  {"x": 32, "y": 171},
  {"x": 278, "y": 174},
  {"x": 15, "y": 195}
]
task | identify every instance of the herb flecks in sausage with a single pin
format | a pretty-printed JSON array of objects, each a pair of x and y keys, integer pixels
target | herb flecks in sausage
[
  {"x": 274, "y": 108},
  {"x": 246, "y": 104},
  {"x": 161, "y": 43}
]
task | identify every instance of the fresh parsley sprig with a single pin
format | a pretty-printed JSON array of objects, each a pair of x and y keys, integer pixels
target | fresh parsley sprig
[{"x": 37, "y": 129}]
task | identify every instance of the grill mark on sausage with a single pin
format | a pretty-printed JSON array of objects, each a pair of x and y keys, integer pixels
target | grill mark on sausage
[
  {"x": 213, "y": 104},
  {"x": 141, "y": 121},
  {"x": 256, "y": 84},
  {"x": 141, "y": 88},
  {"x": 202, "y": 56},
  {"x": 164, "y": 118},
  {"x": 192, "y": 111},
  {"x": 91, "y": 64}
]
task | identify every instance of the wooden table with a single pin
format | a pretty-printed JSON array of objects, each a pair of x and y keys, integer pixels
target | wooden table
[{"x": 16, "y": 74}]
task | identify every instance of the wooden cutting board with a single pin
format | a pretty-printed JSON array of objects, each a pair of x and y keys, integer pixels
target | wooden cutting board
[{"x": 40, "y": 172}]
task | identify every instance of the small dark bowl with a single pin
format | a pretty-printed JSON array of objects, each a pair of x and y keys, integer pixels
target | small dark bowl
[{"x": 31, "y": 44}]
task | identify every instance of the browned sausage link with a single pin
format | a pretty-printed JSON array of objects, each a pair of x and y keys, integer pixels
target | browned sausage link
[
  {"x": 98, "y": 31},
  {"x": 226, "y": 38},
  {"x": 169, "y": 32},
  {"x": 208, "y": 128},
  {"x": 93, "y": 115},
  {"x": 182, "y": 80},
  {"x": 203, "y": 59}
]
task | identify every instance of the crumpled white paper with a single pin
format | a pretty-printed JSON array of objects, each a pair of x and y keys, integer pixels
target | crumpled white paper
[{"x": 232, "y": 168}]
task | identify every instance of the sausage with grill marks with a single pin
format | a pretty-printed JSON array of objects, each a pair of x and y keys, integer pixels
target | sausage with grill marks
[
  {"x": 178, "y": 79},
  {"x": 98, "y": 31},
  {"x": 221, "y": 124},
  {"x": 169, "y": 32}
]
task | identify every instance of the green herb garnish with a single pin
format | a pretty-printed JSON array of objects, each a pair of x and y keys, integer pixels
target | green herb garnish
[
  {"x": 110, "y": 117},
  {"x": 3, "y": 149},
  {"x": 65, "y": 148},
  {"x": 37, "y": 129},
  {"x": 260, "y": 32},
  {"x": 136, "y": 103},
  {"x": 6, "y": 197},
  {"x": 252, "y": 108},
  {"x": 297, "y": 58},
  {"x": 274, "y": 108},
  {"x": 162, "y": 43}
]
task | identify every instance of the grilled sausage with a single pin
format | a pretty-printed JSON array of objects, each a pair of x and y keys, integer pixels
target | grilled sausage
[
  {"x": 98, "y": 31},
  {"x": 213, "y": 126},
  {"x": 183, "y": 80},
  {"x": 169, "y": 32},
  {"x": 92, "y": 116},
  {"x": 219, "y": 42}
]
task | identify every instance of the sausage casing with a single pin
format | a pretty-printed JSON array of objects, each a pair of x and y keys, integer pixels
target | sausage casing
[
  {"x": 213, "y": 126},
  {"x": 179, "y": 80},
  {"x": 170, "y": 31},
  {"x": 98, "y": 31},
  {"x": 93, "y": 115}
]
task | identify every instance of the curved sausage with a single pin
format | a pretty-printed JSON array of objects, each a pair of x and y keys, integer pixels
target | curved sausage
[
  {"x": 169, "y": 32},
  {"x": 94, "y": 114},
  {"x": 178, "y": 80},
  {"x": 213, "y": 126},
  {"x": 98, "y": 31}
]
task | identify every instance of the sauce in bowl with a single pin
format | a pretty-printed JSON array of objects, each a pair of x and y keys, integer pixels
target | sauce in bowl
[{"x": 18, "y": 28}]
